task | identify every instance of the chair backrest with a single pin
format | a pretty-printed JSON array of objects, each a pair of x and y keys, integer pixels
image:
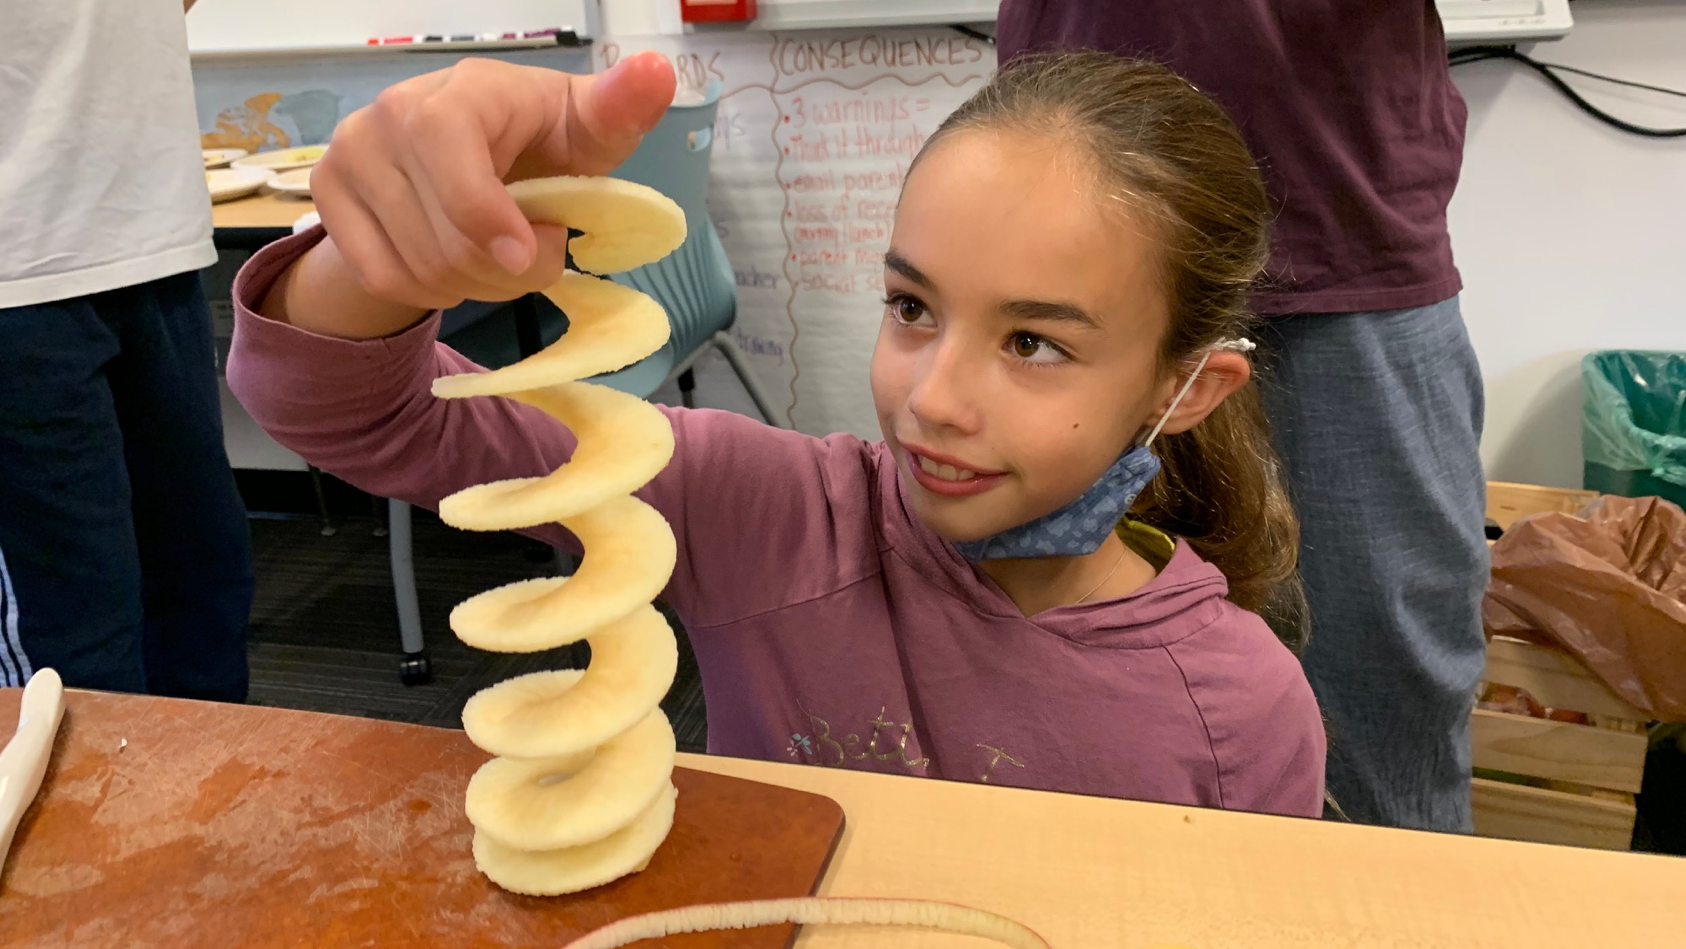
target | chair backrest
[{"x": 695, "y": 283}]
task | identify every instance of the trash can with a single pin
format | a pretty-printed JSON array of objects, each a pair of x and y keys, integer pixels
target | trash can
[{"x": 1633, "y": 423}]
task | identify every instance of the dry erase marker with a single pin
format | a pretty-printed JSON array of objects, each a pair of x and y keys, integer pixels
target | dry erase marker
[
  {"x": 463, "y": 38},
  {"x": 397, "y": 40},
  {"x": 433, "y": 38}
]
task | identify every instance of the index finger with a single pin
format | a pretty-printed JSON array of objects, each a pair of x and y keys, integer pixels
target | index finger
[{"x": 451, "y": 157}]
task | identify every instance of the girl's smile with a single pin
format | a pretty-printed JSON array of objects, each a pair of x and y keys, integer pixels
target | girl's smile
[{"x": 946, "y": 475}]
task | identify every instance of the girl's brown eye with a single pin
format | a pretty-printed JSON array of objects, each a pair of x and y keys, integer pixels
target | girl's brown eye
[
  {"x": 903, "y": 308},
  {"x": 1026, "y": 345}
]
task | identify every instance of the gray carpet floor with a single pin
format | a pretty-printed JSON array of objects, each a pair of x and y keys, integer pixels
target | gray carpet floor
[{"x": 324, "y": 629}]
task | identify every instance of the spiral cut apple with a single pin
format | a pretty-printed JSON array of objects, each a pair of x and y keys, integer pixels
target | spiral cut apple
[{"x": 580, "y": 791}]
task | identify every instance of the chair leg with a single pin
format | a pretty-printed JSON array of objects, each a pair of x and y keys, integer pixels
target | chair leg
[
  {"x": 735, "y": 357},
  {"x": 414, "y": 668},
  {"x": 328, "y": 529},
  {"x": 688, "y": 388}
]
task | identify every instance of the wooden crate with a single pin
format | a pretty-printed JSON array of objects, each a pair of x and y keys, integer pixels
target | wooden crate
[
  {"x": 1544, "y": 780},
  {"x": 1508, "y": 503}
]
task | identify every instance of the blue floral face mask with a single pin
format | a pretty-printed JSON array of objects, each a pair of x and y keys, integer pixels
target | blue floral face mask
[{"x": 1080, "y": 527}]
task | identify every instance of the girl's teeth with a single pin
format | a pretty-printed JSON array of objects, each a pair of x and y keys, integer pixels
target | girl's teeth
[{"x": 945, "y": 472}]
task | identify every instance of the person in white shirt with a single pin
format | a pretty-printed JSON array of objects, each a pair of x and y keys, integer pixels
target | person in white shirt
[{"x": 125, "y": 559}]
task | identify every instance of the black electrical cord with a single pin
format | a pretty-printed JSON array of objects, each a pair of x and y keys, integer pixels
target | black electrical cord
[
  {"x": 1475, "y": 54},
  {"x": 974, "y": 34},
  {"x": 1620, "y": 82}
]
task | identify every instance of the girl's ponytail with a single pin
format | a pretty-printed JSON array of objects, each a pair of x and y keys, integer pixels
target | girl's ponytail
[{"x": 1221, "y": 489}]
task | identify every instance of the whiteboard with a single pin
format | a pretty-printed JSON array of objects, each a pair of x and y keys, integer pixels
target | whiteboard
[{"x": 227, "y": 25}]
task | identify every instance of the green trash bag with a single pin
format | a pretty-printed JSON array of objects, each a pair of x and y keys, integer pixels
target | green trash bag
[{"x": 1633, "y": 423}]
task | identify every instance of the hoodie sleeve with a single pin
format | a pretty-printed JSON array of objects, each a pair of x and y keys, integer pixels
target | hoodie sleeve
[{"x": 762, "y": 516}]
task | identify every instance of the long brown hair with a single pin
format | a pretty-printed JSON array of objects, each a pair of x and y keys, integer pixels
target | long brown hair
[{"x": 1171, "y": 157}]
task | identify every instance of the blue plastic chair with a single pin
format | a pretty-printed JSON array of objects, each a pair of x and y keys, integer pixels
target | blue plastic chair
[{"x": 694, "y": 284}]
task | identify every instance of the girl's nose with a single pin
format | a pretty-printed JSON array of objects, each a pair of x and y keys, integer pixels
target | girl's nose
[{"x": 945, "y": 394}]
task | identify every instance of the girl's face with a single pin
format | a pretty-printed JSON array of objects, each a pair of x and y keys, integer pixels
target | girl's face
[{"x": 1018, "y": 355}]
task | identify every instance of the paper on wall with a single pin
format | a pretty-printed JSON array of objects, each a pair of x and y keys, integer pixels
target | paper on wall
[{"x": 814, "y": 134}]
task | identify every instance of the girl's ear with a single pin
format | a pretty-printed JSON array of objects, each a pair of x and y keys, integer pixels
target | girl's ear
[{"x": 1225, "y": 373}]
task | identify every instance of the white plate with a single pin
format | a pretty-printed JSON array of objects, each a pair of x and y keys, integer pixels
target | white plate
[
  {"x": 284, "y": 159},
  {"x": 296, "y": 181},
  {"x": 228, "y": 183},
  {"x": 218, "y": 157}
]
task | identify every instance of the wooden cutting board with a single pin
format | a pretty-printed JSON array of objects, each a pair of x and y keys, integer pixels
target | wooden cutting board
[{"x": 165, "y": 822}]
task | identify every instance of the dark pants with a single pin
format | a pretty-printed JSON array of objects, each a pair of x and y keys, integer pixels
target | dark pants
[
  {"x": 1378, "y": 419},
  {"x": 125, "y": 558}
]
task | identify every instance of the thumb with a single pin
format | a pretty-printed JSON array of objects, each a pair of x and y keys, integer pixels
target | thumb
[{"x": 608, "y": 113}]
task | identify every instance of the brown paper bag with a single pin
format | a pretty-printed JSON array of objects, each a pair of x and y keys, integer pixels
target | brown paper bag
[{"x": 1609, "y": 586}]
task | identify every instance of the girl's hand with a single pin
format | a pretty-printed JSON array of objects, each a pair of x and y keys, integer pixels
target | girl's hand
[{"x": 412, "y": 194}]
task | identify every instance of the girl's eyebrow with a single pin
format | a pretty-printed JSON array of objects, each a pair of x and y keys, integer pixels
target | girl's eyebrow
[
  {"x": 1049, "y": 311},
  {"x": 1043, "y": 310},
  {"x": 899, "y": 264}
]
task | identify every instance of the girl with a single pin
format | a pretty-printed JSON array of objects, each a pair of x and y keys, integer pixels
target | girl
[{"x": 1066, "y": 284}]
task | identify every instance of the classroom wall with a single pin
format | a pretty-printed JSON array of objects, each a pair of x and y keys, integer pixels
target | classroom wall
[{"x": 1571, "y": 236}]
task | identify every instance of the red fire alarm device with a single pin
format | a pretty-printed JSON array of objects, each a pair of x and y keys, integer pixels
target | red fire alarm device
[{"x": 716, "y": 11}]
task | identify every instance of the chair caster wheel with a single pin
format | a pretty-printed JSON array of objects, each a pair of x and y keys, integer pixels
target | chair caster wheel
[{"x": 415, "y": 670}]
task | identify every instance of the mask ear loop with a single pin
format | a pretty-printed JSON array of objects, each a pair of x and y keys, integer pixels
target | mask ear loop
[{"x": 1228, "y": 345}]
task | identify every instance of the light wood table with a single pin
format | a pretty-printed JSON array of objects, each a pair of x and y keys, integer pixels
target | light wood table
[
  {"x": 1089, "y": 873},
  {"x": 266, "y": 210}
]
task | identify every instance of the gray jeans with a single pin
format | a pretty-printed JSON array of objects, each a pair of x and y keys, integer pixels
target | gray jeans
[{"x": 1378, "y": 418}]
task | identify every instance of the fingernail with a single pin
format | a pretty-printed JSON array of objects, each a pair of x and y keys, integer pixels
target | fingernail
[{"x": 511, "y": 255}]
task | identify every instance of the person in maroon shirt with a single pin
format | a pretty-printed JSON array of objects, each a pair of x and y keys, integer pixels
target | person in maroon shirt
[{"x": 1376, "y": 396}]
